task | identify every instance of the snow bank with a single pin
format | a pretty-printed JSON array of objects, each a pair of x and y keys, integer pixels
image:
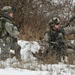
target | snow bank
[{"x": 27, "y": 47}]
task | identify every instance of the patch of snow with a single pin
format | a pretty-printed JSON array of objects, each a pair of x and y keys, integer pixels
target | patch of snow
[
  {"x": 33, "y": 68},
  {"x": 26, "y": 48}
]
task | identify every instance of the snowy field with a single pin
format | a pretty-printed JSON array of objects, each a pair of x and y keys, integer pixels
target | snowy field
[
  {"x": 30, "y": 64},
  {"x": 50, "y": 70}
]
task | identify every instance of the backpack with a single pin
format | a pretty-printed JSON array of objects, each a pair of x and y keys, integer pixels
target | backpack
[{"x": 2, "y": 27}]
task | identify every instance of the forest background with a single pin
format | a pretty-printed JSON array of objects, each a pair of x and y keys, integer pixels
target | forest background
[{"x": 32, "y": 16}]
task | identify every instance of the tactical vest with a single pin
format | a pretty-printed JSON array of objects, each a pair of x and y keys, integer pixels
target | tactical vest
[
  {"x": 2, "y": 27},
  {"x": 3, "y": 31},
  {"x": 54, "y": 34}
]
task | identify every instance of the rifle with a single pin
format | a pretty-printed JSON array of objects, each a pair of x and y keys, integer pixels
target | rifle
[{"x": 71, "y": 19}]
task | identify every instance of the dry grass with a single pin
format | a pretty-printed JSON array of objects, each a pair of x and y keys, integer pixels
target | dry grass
[
  {"x": 50, "y": 58},
  {"x": 30, "y": 34},
  {"x": 70, "y": 37}
]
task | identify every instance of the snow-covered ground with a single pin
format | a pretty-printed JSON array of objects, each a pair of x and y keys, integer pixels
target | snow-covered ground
[
  {"x": 30, "y": 64},
  {"x": 60, "y": 69},
  {"x": 11, "y": 71}
]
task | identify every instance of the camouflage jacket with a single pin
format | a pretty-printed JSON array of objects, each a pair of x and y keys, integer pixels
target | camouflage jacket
[
  {"x": 51, "y": 35},
  {"x": 10, "y": 31}
]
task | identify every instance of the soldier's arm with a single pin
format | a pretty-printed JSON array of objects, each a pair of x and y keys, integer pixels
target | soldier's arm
[
  {"x": 69, "y": 30},
  {"x": 12, "y": 30},
  {"x": 46, "y": 37}
]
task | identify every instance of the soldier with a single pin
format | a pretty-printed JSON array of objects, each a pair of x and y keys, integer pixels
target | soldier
[
  {"x": 54, "y": 37},
  {"x": 56, "y": 34},
  {"x": 10, "y": 33}
]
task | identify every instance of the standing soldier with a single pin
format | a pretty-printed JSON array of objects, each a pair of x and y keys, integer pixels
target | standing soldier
[{"x": 9, "y": 33}]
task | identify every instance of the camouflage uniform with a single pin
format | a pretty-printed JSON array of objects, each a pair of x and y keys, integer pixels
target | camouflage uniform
[
  {"x": 64, "y": 31},
  {"x": 10, "y": 34},
  {"x": 53, "y": 35},
  {"x": 58, "y": 35},
  {"x": 67, "y": 30}
]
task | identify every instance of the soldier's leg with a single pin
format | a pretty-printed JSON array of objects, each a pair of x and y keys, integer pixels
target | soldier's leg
[
  {"x": 17, "y": 49},
  {"x": 4, "y": 50},
  {"x": 58, "y": 55}
]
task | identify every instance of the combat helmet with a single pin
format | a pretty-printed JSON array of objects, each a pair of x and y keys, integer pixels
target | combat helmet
[
  {"x": 7, "y": 9},
  {"x": 54, "y": 21}
]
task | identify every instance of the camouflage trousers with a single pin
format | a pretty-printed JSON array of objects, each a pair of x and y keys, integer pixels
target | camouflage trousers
[
  {"x": 5, "y": 50},
  {"x": 17, "y": 49}
]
